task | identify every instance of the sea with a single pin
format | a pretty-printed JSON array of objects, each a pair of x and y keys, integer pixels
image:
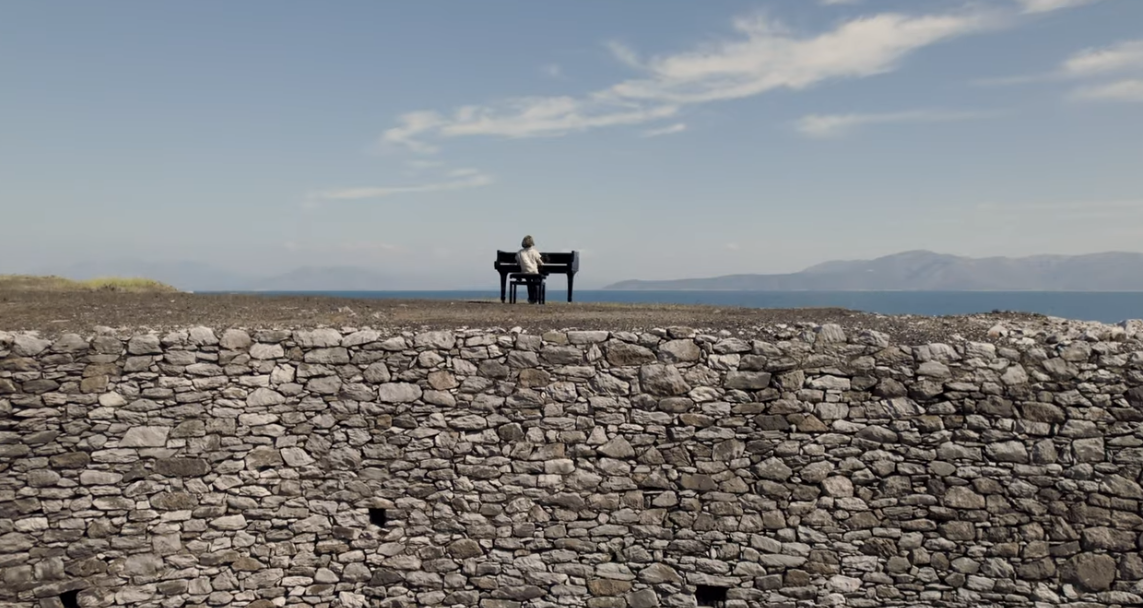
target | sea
[{"x": 1108, "y": 307}]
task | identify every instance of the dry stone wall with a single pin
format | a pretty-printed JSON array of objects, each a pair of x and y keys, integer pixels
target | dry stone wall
[{"x": 798, "y": 466}]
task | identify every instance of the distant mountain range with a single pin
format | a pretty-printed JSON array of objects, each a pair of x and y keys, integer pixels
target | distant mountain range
[
  {"x": 929, "y": 271},
  {"x": 196, "y": 276}
]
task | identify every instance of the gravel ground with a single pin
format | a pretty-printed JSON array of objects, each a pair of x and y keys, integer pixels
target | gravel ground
[{"x": 54, "y": 313}]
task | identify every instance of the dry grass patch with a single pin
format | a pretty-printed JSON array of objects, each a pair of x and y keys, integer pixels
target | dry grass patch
[{"x": 21, "y": 282}]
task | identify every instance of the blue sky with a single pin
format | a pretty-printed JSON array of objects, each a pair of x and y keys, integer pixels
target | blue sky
[{"x": 662, "y": 139}]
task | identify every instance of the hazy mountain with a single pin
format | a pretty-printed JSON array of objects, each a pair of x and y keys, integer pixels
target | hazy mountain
[
  {"x": 339, "y": 278},
  {"x": 187, "y": 276},
  {"x": 928, "y": 271},
  {"x": 196, "y": 276}
]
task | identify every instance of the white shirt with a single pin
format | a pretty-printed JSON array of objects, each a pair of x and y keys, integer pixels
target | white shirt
[{"x": 529, "y": 260}]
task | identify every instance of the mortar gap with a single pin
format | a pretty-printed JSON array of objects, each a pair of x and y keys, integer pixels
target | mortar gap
[
  {"x": 378, "y": 517},
  {"x": 70, "y": 599},
  {"x": 710, "y": 596}
]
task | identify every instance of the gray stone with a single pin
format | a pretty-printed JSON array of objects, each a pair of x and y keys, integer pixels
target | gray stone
[
  {"x": 99, "y": 478},
  {"x": 145, "y": 437},
  {"x": 1089, "y": 571},
  {"x": 617, "y": 447},
  {"x": 14, "y": 542},
  {"x": 201, "y": 336},
  {"x": 587, "y": 337},
  {"x": 229, "y": 522},
  {"x": 262, "y": 352},
  {"x": 1007, "y": 451},
  {"x": 838, "y": 487},
  {"x": 773, "y": 469},
  {"x": 680, "y": 351},
  {"x": 747, "y": 381},
  {"x": 644, "y": 598},
  {"x": 318, "y": 338},
  {"x": 662, "y": 380},
  {"x": 438, "y": 340},
  {"x": 624, "y": 354},
  {"x": 1014, "y": 376},
  {"x": 962, "y": 497},
  {"x": 264, "y": 397},
  {"x": 263, "y": 457},
  {"x": 144, "y": 344},
  {"x": 827, "y": 383},
  {"x": 657, "y": 574},
  {"x": 398, "y": 392},
  {"x": 235, "y": 339},
  {"x": 377, "y": 373},
  {"x": 182, "y": 467},
  {"x": 25, "y": 345},
  {"x": 296, "y": 457}
]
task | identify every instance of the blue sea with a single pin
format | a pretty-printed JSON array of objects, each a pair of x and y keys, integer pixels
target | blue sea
[{"x": 1108, "y": 307}]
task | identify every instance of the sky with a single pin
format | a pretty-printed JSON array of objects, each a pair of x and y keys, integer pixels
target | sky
[{"x": 663, "y": 139}]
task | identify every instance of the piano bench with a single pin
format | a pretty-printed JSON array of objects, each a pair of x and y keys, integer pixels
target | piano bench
[{"x": 520, "y": 278}]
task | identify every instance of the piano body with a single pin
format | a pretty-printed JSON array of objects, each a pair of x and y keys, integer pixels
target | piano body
[{"x": 566, "y": 263}]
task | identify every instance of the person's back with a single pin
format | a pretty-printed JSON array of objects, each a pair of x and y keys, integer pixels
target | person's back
[
  {"x": 529, "y": 258},
  {"x": 530, "y": 261}
]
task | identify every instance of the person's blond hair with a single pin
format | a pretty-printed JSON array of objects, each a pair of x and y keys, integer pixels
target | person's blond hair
[{"x": 528, "y": 242}]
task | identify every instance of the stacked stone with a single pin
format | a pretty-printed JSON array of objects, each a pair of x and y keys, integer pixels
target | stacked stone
[{"x": 804, "y": 465}]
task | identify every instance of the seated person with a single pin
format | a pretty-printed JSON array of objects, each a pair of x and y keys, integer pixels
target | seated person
[{"x": 530, "y": 262}]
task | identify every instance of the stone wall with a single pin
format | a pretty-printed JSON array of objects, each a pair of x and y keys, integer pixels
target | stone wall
[{"x": 798, "y": 466}]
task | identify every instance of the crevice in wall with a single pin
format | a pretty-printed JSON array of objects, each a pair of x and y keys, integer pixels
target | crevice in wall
[
  {"x": 378, "y": 517},
  {"x": 70, "y": 599},
  {"x": 710, "y": 596}
]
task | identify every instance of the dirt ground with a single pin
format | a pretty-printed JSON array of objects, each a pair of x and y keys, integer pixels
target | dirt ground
[{"x": 54, "y": 313}]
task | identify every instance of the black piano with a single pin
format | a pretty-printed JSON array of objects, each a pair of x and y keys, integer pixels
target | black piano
[{"x": 554, "y": 263}]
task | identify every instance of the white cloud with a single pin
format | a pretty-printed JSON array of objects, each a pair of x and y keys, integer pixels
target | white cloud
[
  {"x": 1123, "y": 56},
  {"x": 731, "y": 247},
  {"x": 838, "y": 2},
  {"x": 1124, "y": 91},
  {"x": 624, "y": 54},
  {"x": 764, "y": 56},
  {"x": 412, "y": 124},
  {"x": 1047, "y": 6},
  {"x": 552, "y": 70},
  {"x": 460, "y": 179},
  {"x": 668, "y": 130},
  {"x": 1118, "y": 57},
  {"x": 834, "y": 125}
]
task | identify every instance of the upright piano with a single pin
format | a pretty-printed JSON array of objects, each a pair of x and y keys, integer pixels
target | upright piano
[{"x": 554, "y": 263}]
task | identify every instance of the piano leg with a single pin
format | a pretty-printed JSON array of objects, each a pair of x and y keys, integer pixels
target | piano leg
[
  {"x": 503, "y": 285},
  {"x": 571, "y": 279}
]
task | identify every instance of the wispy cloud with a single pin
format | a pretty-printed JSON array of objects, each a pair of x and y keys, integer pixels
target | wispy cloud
[
  {"x": 1120, "y": 57},
  {"x": 835, "y": 125},
  {"x": 1047, "y": 6},
  {"x": 552, "y": 70},
  {"x": 668, "y": 130},
  {"x": 763, "y": 56},
  {"x": 460, "y": 179},
  {"x": 1130, "y": 90},
  {"x": 731, "y": 247},
  {"x": 838, "y": 2}
]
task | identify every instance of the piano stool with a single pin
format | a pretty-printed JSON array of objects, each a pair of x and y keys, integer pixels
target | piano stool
[{"x": 521, "y": 278}]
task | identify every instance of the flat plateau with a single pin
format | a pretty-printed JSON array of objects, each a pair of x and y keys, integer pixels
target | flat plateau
[{"x": 54, "y": 313}]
